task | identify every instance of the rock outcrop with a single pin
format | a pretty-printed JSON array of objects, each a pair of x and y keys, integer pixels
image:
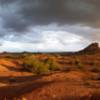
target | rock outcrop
[{"x": 91, "y": 49}]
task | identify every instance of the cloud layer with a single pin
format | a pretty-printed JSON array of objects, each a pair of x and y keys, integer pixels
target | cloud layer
[{"x": 71, "y": 24}]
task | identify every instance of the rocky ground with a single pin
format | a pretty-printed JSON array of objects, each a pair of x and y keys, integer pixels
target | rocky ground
[
  {"x": 78, "y": 79},
  {"x": 73, "y": 85}
]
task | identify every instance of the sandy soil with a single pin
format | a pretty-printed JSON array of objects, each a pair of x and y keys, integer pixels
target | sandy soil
[
  {"x": 73, "y": 85},
  {"x": 62, "y": 85}
]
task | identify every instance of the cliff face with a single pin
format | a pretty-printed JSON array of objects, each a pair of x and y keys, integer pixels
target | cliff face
[{"x": 91, "y": 49}]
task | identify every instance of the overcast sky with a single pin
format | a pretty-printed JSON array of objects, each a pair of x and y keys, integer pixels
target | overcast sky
[{"x": 48, "y": 25}]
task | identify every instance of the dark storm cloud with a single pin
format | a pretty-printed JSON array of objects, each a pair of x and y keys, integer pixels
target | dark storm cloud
[
  {"x": 24, "y": 13},
  {"x": 6, "y": 1},
  {"x": 61, "y": 11}
]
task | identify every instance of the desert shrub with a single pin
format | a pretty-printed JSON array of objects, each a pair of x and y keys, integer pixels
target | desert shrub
[
  {"x": 79, "y": 64},
  {"x": 34, "y": 65},
  {"x": 42, "y": 69},
  {"x": 52, "y": 64},
  {"x": 37, "y": 66}
]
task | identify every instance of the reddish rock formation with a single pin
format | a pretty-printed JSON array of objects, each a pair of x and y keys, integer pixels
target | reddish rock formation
[{"x": 92, "y": 48}]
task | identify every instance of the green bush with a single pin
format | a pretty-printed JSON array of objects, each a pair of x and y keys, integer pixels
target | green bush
[
  {"x": 34, "y": 65},
  {"x": 79, "y": 64},
  {"x": 42, "y": 68},
  {"x": 53, "y": 65}
]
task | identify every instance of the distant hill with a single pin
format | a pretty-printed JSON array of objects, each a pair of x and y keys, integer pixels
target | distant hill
[{"x": 91, "y": 49}]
